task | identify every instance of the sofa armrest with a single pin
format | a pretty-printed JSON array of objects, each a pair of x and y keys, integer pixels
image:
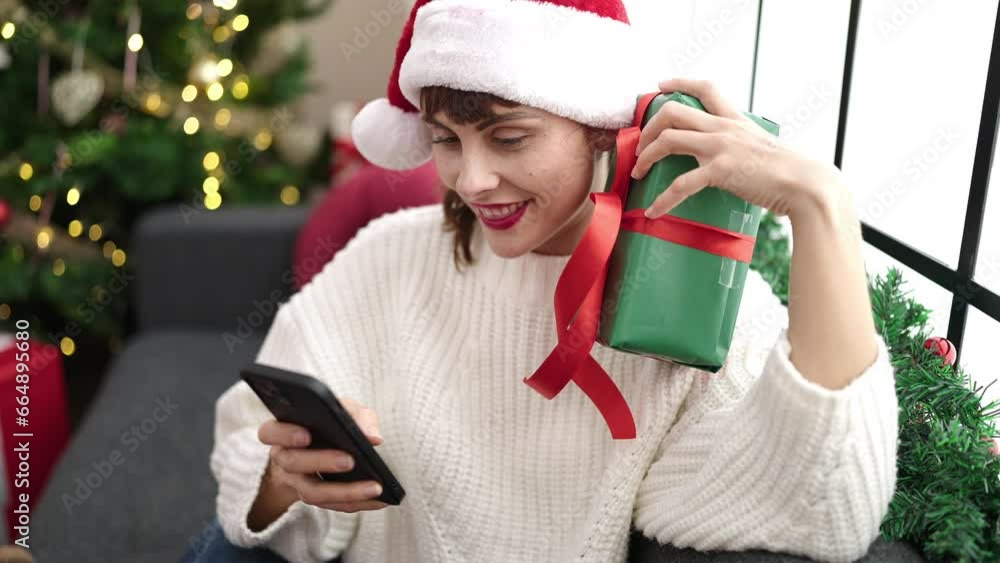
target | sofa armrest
[
  {"x": 646, "y": 550},
  {"x": 196, "y": 268}
]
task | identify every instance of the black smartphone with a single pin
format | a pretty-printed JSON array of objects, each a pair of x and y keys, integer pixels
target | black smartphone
[{"x": 304, "y": 400}]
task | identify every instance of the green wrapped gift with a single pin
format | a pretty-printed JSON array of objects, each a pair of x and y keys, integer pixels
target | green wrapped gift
[{"x": 670, "y": 301}]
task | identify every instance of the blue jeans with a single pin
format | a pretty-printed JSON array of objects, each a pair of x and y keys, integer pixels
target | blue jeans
[{"x": 211, "y": 546}]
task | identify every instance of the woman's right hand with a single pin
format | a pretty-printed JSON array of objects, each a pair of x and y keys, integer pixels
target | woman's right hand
[{"x": 293, "y": 467}]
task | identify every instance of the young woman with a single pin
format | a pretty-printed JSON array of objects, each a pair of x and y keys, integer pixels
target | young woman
[{"x": 428, "y": 321}]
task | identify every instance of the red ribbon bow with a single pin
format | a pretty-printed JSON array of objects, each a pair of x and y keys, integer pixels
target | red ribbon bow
[{"x": 580, "y": 289}]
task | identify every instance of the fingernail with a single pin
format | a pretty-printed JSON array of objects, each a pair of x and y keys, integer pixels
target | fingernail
[
  {"x": 650, "y": 213},
  {"x": 634, "y": 171},
  {"x": 378, "y": 437},
  {"x": 344, "y": 462},
  {"x": 373, "y": 490},
  {"x": 300, "y": 438}
]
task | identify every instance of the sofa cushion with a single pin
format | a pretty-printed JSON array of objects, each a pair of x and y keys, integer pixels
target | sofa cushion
[{"x": 135, "y": 483}]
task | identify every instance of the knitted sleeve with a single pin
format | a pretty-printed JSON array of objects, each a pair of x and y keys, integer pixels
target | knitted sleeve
[
  {"x": 328, "y": 330},
  {"x": 761, "y": 458}
]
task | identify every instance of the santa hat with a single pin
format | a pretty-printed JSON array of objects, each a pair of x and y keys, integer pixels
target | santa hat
[{"x": 578, "y": 59}]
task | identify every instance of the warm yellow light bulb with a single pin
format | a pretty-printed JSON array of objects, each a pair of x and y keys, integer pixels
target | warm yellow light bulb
[
  {"x": 8, "y": 30},
  {"x": 213, "y": 201},
  {"x": 73, "y": 196},
  {"x": 153, "y": 102},
  {"x": 118, "y": 258},
  {"x": 58, "y": 267},
  {"x": 206, "y": 70},
  {"x": 44, "y": 237},
  {"x": 108, "y": 248},
  {"x": 240, "y": 22},
  {"x": 289, "y": 195},
  {"x": 67, "y": 346},
  {"x": 214, "y": 91},
  {"x": 135, "y": 42},
  {"x": 4, "y": 311},
  {"x": 189, "y": 93},
  {"x": 75, "y": 228},
  {"x": 191, "y": 125},
  {"x": 241, "y": 88},
  {"x": 210, "y": 185},
  {"x": 211, "y": 160},
  {"x": 194, "y": 11},
  {"x": 225, "y": 4},
  {"x": 221, "y": 34},
  {"x": 26, "y": 171},
  {"x": 95, "y": 232},
  {"x": 262, "y": 140},
  {"x": 223, "y": 117},
  {"x": 35, "y": 202},
  {"x": 225, "y": 67}
]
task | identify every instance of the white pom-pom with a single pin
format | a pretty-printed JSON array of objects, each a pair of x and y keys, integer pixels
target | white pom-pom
[{"x": 390, "y": 137}]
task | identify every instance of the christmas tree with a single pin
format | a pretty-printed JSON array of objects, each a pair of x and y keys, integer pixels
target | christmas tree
[
  {"x": 947, "y": 500},
  {"x": 112, "y": 107}
]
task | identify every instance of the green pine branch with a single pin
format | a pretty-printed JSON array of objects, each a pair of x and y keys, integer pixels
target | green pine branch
[{"x": 947, "y": 500}]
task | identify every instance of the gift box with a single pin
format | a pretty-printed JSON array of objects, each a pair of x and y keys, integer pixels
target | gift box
[
  {"x": 667, "y": 288},
  {"x": 671, "y": 300},
  {"x": 33, "y": 438}
]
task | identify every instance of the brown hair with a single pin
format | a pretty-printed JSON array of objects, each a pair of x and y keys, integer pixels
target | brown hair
[{"x": 462, "y": 107}]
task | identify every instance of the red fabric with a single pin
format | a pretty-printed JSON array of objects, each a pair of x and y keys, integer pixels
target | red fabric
[
  {"x": 48, "y": 418},
  {"x": 394, "y": 94},
  {"x": 580, "y": 289},
  {"x": 347, "y": 207}
]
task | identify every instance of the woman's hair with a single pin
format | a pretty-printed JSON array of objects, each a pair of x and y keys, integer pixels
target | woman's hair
[{"x": 464, "y": 108}]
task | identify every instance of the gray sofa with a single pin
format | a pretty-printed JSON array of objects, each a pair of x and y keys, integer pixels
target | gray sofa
[{"x": 134, "y": 485}]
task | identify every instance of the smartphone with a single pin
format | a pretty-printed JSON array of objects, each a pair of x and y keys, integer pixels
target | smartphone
[{"x": 304, "y": 400}]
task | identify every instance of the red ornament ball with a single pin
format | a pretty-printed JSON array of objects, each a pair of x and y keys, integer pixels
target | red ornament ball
[
  {"x": 994, "y": 445},
  {"x": 5, "y": 214},
  {"x": 942, "y": 347}
]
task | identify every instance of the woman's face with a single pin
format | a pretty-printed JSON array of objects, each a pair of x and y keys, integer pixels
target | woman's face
[{"x": 525, "y": 173}]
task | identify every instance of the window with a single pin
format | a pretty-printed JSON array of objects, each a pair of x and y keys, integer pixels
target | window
[{"x": 915, "y": 138}]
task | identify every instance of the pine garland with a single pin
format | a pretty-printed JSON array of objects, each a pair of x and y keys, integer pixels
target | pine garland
[{"x": 947, "y": 500}]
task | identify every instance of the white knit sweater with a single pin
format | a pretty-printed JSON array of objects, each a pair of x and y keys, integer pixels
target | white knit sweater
[{"x": 753, "y": 456}]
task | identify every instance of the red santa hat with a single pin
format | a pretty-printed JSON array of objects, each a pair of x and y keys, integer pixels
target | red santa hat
[{"x": 575, "y": 58}]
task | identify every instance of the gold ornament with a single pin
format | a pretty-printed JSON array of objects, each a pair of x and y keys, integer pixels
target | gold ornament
[{"x": 75, "y": 94}]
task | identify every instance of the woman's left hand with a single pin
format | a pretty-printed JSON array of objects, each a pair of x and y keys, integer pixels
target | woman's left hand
[{"x": 733, "y": 153}]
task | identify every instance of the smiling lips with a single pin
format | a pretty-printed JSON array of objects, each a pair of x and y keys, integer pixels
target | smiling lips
[
  {"x": 501, "y": 216},
  {"x": 498, "y": 211}
]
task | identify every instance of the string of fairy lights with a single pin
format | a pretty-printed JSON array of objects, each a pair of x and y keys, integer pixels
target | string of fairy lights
[{"x": 192, "y": 106}]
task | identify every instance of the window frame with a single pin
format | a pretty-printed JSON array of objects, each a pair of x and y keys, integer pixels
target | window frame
[{"x": 959, "y": 281}]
